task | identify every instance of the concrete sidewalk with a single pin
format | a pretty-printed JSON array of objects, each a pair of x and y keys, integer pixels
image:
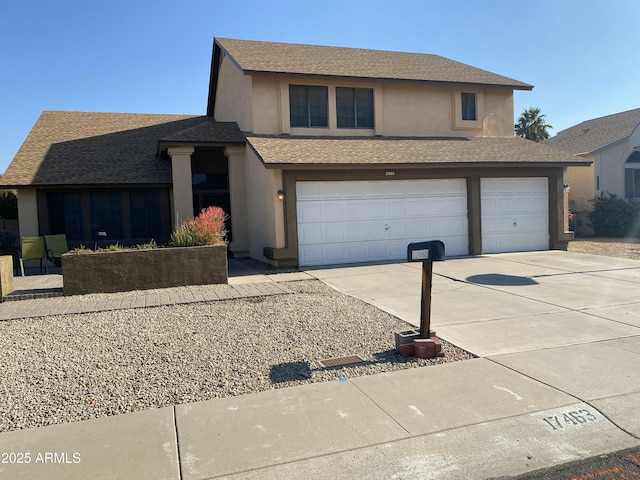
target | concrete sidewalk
[{"x": 559, "y": 339}]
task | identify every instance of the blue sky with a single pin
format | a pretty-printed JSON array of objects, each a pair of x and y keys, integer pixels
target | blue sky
[{"x": 154, "y": 56}]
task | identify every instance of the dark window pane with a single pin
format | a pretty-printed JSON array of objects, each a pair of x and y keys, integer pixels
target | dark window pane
[
  {"x": 628, "y": 182},
  {"x": 209, "y": 181},
  {"x": 364, "y": 107},
  {"x": 346, "y": 107},
  {"x": 145, "y": 215},
  {"x": 106, "y": 213},
  {"x": 354, "y": 107},
  {"x": 318, "y": 99},
  {"x": 469, "y": 106},
  {"x": 298, "y": 108},
  {"x": 308, "y": 106},
  {"x": 65, "y": 214}
]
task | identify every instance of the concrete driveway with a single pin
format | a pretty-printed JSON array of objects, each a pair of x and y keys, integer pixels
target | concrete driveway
[
  {"x": 568, "y": 320},
  {"x": 507, "y": 303}
]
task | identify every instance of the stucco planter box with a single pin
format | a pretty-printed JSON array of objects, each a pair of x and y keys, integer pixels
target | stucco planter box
[{"x": 122, "y": 271}]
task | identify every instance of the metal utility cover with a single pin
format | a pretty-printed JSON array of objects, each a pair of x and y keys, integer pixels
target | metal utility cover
[{"x": 342, "y": 361}]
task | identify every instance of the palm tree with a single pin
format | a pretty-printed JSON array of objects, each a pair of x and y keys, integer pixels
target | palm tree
[{"x": 532, "y": 125}]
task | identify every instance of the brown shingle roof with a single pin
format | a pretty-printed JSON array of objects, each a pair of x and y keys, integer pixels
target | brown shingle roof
[
  {"x": 283, "y": 152},
  {"x": 593, "y": 134},
  {"x": 297, "y": 59},
  {"x": 84, "y": 148}
]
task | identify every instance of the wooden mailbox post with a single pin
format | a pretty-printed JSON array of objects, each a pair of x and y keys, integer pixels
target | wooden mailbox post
[{"x": 427, "y": 253}]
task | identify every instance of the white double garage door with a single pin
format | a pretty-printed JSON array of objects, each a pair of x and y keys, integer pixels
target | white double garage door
[{"x": 364, "y": 221}]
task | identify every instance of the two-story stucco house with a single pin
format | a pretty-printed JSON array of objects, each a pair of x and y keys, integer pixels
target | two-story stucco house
[{"x": 320, "y": 155}]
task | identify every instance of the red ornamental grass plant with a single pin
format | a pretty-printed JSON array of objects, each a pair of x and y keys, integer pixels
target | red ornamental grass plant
[{"x": 208, "y": 228}]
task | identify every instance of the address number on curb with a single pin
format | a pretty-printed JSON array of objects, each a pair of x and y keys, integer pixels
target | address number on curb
[{"x": 569, "y": 419}]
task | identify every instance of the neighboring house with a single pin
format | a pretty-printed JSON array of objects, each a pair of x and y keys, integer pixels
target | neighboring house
[
  {"x": 616, "y": 165},
  {"x": 320, "y": 155}
]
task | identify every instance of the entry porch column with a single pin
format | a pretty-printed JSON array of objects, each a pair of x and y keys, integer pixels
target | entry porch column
[
  {"x": 182, "y": 200},
  {"x": 239, "y": 246}
]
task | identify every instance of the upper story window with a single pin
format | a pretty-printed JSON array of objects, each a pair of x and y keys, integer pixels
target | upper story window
[
  {"x": 308, "y": 106},
  {"x": 354, "y": 107},
  {"x": 468, "y": 102}
]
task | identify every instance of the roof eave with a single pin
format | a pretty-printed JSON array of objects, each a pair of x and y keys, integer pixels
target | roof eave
[
  {"x": 407, "y": 166},
  {"x": 271, "y": 73},
  {"x": 606, "y": 145}
]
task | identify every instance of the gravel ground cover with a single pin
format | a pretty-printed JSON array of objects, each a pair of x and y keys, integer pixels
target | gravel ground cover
[
  {"x": 73, "y": 367},
  {"x": 611, "y": 247}
]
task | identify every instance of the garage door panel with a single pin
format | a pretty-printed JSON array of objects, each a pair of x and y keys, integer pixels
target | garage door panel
[
  {"x": 312, "y": 254},
  {"x": 417, "y": 229},
  {"x": 375, "y": 220},
  {"x": 454, "y": 205},
  {"x": 396, "y": 209},
  {"x": 374, "y": 209},
  {"x": 333, "y": 211},
  {"x": 355, "y": 210},
  {"x": 397, "y": 249},
  {"x": 397, "y": 229},
  {"x": 458, "y": 245},
  {"x": 376, "y": 251},
  {"x": 375, "y": 230},
  {"x": 310, "y": 212},
  {"x": 310, "y": 234},
  {"x": 514, "y": 214},
  {"x": 355, "y": 231},
  {"x": 457, "y": 226},
  {"x": 416, "y": 207},
  {"x": 333, "y": 233},
  {"x": 436, "y": 206}
]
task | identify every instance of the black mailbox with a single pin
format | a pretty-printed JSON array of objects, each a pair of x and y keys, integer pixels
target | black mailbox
[{"x": 432, "y": 251}]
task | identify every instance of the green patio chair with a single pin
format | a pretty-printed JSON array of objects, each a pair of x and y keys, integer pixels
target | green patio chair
[
  {"x": 32, "y": 249},
  {"x": 56, "y": 245}
]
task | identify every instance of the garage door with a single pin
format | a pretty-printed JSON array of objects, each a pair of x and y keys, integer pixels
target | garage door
[
  {"x": 347, "y": 222},
  {"x": 515, "y": 214}
]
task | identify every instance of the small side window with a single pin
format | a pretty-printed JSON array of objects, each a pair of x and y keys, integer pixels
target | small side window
[{"x": 468, "y": 102}]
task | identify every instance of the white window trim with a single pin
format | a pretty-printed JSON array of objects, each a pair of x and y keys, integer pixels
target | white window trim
[{"x": 458, "y": 122}]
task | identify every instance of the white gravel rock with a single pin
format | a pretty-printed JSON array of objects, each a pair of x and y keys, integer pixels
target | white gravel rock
[{"x": 73, "y": 367}]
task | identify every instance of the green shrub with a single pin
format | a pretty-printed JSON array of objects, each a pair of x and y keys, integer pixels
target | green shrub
[
  {"x": 613, "y": 216},
  {"x": 208, "y": 228}
]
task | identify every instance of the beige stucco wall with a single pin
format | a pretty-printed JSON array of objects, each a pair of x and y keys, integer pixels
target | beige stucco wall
[
  {"x": 498, "y": 109},
  {"x": 583, "y": 188},
  {"x": 28, "y": 212},
  {"x": 239, "y": 246},
  {"x": 404, "y": 109},
  {"x": 609, "y": 165},
  {"x": 265, "y": 217},
  {"x": 606, "y": 174},
  {"x": 234, "y": 96}
]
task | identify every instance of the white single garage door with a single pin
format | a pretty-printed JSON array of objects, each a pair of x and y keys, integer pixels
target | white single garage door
[
  {"x": 515, "y": 214},
  {"x": 348, "y": 222}
]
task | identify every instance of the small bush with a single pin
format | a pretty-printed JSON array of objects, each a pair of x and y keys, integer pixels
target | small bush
[
  {"x": 613, "y": 216},
  {"x": 208, "y": 228},
  {"x": 146, "y": 246},
  {"x": 81, "y": 250}
]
